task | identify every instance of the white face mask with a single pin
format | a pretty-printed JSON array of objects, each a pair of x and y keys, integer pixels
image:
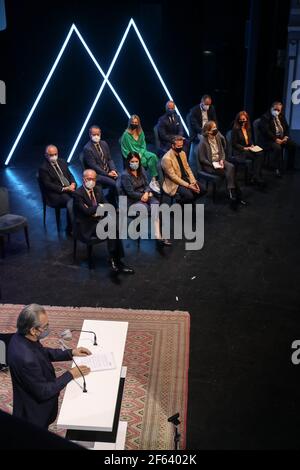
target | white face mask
[
  {"x": 90, "y": 184},
  {"x": 205, "y": 107},
  {"x": 53, "y": 158},
  {"x": 275, "y": 112},
  {"x": 96, "y": 139}
]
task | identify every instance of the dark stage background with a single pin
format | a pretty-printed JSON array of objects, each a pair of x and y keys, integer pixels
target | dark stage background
[
  {"x": 177, "y": 38},
  {"x": 244, "y": 300}
]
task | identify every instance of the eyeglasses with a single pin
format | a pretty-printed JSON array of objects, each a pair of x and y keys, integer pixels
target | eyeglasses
[{"x": 44, "y": 328}]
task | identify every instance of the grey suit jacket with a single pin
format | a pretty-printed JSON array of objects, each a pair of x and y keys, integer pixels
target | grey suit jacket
[{"x": 205, "y": 153}]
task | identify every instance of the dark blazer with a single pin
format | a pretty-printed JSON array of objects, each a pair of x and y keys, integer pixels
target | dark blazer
[
  {"x": 268, "y": 129},
  {"x": 92, "y": 160},
  {"x": 167, "y": 129},
  {"x": 238, "y": 141},
  {"x": 49, "y": 178},
  {"x": 205, "y": 153},
  {"x": 86, "y": 223},
  {"x": 35, "y": 386},
  {"x": 133, "y": 187},
  {"x": 195, "y": 121}
]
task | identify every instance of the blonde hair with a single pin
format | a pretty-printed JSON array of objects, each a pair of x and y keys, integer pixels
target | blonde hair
[{"x": 139, "y": 129}]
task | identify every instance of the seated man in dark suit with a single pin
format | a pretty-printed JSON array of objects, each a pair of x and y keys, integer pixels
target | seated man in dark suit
[
  {"x": 57, "y": 180},
  {"x": 35, "y": 386},
  {"x": 169, "y": 125},
  {"x": 87, "y": 199},
  {"x": 96, "y": 155},
  {"x": 275, "y": 134},
  {"x": 199, "y": 115}
]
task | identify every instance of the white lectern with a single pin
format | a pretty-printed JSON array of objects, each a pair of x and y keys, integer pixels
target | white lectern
[{"x": 92, "y": 418}]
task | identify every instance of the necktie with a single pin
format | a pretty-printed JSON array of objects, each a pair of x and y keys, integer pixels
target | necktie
[
  {"x": 93, "y": 199},
  {"x": 102, "y": 158},
  {"x": 279, "y": 128}
]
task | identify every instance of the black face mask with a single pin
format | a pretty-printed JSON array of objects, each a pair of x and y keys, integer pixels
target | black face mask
[
  {"x": 214, "y": 132},
  {"x": 134, "y": 126},
  {"x": 178, "y": 149},
  {"x": 242, "y": 123},
  {"x": 171, "y": 112}
]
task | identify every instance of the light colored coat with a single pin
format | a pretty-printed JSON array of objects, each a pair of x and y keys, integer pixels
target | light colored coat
[{"x": 172, "y": 173}]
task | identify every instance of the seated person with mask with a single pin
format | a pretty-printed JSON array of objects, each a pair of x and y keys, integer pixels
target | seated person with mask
[
  {"x": 275, "y": 137},
  {"x": 199, "y": 115},
  {"x": 87, "y": 199},
  {"x": 57, "y": 180},
  {"x": 211, "y": 155},
  {"x": 168, "y": 126},
  {"x": 179, "y": 181},
  {"x": 96, "y": 155}
]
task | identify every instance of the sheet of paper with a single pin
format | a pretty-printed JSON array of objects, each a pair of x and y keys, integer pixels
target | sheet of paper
[
  {"x": 216, "y": 165},
  {"x": 256, "y": 148},
  {"x": 97, "y": 361}
]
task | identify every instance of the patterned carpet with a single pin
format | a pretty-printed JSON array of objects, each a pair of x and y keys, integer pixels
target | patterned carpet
[{"x": 157, "y": 357}]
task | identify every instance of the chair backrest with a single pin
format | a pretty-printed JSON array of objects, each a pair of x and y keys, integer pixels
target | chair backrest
[
  {"x": 229, "y": 144},
  {"x": 4, "y": 342},
  {"x": 70, "y": 209},
  {"x": 156, "y": 137},
  {"x": 188, "y": 121},
  {"x": 42, "y": 189},
  {"x": 82, "y": 162},
  {"x": 4, "y": 201},
  {"x": 257, "y": 132}
]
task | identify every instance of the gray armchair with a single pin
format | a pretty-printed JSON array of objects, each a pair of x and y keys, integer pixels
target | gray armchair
[{"x": 10, "y": 223}]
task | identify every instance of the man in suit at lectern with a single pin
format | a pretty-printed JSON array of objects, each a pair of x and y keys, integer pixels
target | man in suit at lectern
[{"x": 35, "y": 386}]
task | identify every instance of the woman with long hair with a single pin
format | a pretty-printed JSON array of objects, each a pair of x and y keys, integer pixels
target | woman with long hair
[
  {"x": 134, "y": 185},
  {"x": 133, "y": 140},
  {"x": 211, "y": 155},
  {"x": 243, "y": 147}
]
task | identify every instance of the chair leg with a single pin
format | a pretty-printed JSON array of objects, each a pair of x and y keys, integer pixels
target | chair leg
[
  {"x": 2, "y": 247},
  {"x": 246, "y": 175},
  {"x": 90, "y": 251},
  {"x": 57, "y": 216},
  {"x": 44, "y": 214},
  {"x": 27, "y": 237},
  {"x": 74, "y": 249},
  {"x": 214, "y": 192}
]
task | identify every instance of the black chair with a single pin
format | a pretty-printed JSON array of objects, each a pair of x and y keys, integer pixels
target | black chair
[
  {"x": 47, "y": 203},
  {"x": 77, "y": 236},
  {"x": 259, "y": 140},
  {"x": 4, "y": 342},
  {"x": 208, "y": 178},
  {"x": 10, "y": 223},
  {"x": 246, "y": 165},
  {"x": 82, "y": 162},
  {"x": 156, "y": 139}
]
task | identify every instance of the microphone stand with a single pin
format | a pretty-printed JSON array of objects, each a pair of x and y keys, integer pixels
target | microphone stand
[
  {"x": 72, "y": 359},
  {"x": 92, "y": 332},
  {"x": 175, "y": 421}
]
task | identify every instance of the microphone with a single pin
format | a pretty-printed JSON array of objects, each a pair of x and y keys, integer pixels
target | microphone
[
  {"x": 72, "y": 358},
  {"x": 67, "y": 335}
]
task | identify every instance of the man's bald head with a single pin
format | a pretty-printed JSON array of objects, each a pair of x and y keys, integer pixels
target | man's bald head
[{"x": 51, "y": 150}]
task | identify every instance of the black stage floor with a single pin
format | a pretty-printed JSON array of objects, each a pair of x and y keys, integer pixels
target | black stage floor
[{"x": 244, "y": 303}]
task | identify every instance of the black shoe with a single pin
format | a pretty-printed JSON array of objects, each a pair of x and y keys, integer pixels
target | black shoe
[
  {"x": 163, "y": 242},
  {"x": 242, "y": 202},
  {"x": 114, "y": 265},
  {"x": 125, "y": 269}
]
